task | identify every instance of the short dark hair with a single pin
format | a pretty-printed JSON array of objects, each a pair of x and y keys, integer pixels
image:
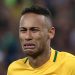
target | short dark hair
[{"x": 37, "y": 10}]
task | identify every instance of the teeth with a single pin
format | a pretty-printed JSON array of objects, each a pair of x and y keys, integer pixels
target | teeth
[{"x": 29, "y": 44}]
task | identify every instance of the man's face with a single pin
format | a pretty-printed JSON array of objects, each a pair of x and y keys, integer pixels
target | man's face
[{"x": 33, "y": 33}]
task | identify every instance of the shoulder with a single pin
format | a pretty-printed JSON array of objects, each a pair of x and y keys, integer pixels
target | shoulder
[
  {"x": 70, "y": 62},
  {"x": 68, "y": 59},
  {"x": 15, "y": 65},
  {"x": 17, "y": 62},
  {"x": 67, "y": 56}
]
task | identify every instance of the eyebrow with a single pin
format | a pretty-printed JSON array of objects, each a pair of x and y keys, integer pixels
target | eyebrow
[{"x": 29, "y": 28}]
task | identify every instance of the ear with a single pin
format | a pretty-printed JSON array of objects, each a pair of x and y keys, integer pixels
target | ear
[{"x": 51, "y": 32}]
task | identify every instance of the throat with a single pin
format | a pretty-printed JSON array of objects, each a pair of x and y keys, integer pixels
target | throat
[{"x": 40, "y": 60}]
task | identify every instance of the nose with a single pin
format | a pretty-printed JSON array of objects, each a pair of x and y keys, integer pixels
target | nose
[{"x": 28, "y": 35}]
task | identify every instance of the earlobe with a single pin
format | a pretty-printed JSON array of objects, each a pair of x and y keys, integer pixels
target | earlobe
[{"x": 51, "y": 32}]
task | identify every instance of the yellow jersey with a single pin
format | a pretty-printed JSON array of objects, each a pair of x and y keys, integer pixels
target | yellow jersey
[{"x": 60, "y": 63}]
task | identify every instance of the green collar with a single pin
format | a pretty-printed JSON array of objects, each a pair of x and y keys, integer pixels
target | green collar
[{"x": 55, "y": 56}]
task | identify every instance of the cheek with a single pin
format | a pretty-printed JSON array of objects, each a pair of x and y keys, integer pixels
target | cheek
[
  {"x": 21, "y": 36},
  {"x": 37, "y": 36},
  {"x": 41, "y": 38}
]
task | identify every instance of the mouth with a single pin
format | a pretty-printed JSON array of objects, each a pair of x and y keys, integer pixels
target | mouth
[{"x": 29, "y": 46}]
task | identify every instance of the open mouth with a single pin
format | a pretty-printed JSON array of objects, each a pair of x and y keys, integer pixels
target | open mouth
[{"x": 29, "y": 46}]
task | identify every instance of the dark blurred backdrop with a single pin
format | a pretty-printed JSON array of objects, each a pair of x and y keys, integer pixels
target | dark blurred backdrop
[{"x": 63, "y": 12}]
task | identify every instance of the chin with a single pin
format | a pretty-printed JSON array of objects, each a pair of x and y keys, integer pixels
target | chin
[{"x": 30, "y": 52}]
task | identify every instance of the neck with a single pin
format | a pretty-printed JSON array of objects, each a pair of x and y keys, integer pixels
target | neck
[{"x": 40, "y": 60}]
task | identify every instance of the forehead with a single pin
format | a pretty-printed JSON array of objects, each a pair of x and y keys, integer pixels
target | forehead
[{"x": 32, "y": 19}]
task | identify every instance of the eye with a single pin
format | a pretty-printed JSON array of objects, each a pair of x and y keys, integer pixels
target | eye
[
  {"x": 35, "y": 29},
  {"x": 23, "y": 30}
]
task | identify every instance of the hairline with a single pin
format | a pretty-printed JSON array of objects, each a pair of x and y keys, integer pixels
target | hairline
[{"x": 47, "y": 19}]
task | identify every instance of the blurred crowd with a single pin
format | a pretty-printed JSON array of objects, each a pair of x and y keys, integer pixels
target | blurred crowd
[{"x": 63, "y": 12}]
